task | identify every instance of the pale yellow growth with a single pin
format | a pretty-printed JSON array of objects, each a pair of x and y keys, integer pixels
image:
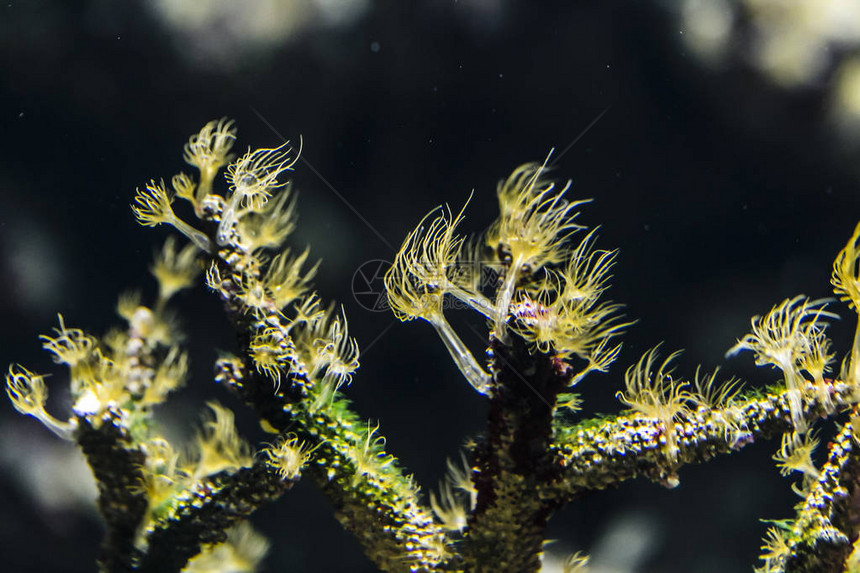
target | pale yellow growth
[
  {"x": 243, "y": 552},
  {"x": 252, "y": 292},
  {"x": 576, "y": 563},
  {"x": 70, "y": 346},
  {"x": 324, "y": 346},
  {"x": 285, "y": 281},
  {"x": 852, "y": 564},
  {"x": 564, "y": 313},
  {"x": 174, "y": 270},
  {"x": 788, "y": 337},
  {"x": 288, "y": 456},
  {"x": 587, "y": 272},
  {"x": 96, "y": 382},
  {"x": 534, "y": 225},
  {"x": 154, "y": 207},
  {"x": 599, "y": 360},
  {"x": 115, "y": 342},
  {"x": 419, "y": 278},
  {"x": 307, "y": 311},
  {"x": 101, "y": 383},
  {"x": 424, "y": 271},
  {"x": 784, "y": 336},
  {"x": 470, "y": 274},
  {"x": 846, "y": 272},
  {"x": 28, "y": 394},
  {"x": 335, "y": 352},
  {"x": 213, "y": 277},
  {"x": 720, "y": 400},
  {"x": 585, "y": 333},
  {"x": 162, "y": 476},
  {"x": 816, "y": 363},
  {"x": 654, "y": 392},
  {"x": 571, "y": 328},
  {"x": 269, "y": 227},
  {"x": 570, "y": 401},
  {"x": 534, "y": 218},
  {"x": 712, "y": 395},
  {"x": 219, "y": 446},
  {"x": 154, "y": 327},
  {"x": 846, "y": 285},
  {"x": 368, "y": 455},
  {"x": 183, "y": 186},
  {"x": 457, "y": 496},
  {"x": 315, "y": 327},
  {"x": 460, "y": 477},
  {"x": 846, "y": 93},
  {"x": 253, "y": 178},
  {"x": 128, "y": 304},
  {"x": 775, "y": 547},
  {"x": 209, "y": 151},
  {"x": 270, "y": 354},
  {"x": 165, "y": 328},
  {"x": 795, "y": 454},
  {"x": 170, "y": 375},
  {"x": 448, "y": 508},
  {"x": 560, "y": 314}
]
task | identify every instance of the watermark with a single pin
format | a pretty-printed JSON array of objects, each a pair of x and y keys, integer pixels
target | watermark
[{"x": 368, "y": 285}]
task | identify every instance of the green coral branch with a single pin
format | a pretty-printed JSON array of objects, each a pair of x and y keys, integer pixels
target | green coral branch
[
  {"x": 370, "y": 495},
  {"x": 203, "y": 513},
  {"x": 367, "y": 489},
  {"x": 597, "y": 455}
]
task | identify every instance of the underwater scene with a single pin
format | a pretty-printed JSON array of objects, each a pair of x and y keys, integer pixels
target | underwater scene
[{"x": 445, "y": 285}]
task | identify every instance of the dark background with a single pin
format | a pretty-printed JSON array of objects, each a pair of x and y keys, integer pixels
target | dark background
[{"x": 724, "y": 191}]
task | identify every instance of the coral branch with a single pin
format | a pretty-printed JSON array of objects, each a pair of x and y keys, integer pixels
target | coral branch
[
  {"x": 515, "y": 462},
  {"x": 371, "y": 496},
  {"x": 204, "y": 513},
  {"x": 597, "y": 454},
  {"x": 116, "y": 462},
  {"x": 828, "y": 519}
]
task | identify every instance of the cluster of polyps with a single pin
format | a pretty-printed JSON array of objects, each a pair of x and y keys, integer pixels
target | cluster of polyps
[
  {"x": 557, "y": 309},
  {"x": 254, "y": 217}
]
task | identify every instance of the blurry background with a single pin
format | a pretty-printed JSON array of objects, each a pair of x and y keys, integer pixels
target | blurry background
[{"x": 723, "y": 164}]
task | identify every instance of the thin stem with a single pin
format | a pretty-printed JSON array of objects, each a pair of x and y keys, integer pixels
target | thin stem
[
  {"x": 195, "y": 236},
  {"x": 228, "y": 218},
  {"x": 504, "y": 298},
  {"x": 476, "y": 301},
  {"x": 463, "y": 357}
]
